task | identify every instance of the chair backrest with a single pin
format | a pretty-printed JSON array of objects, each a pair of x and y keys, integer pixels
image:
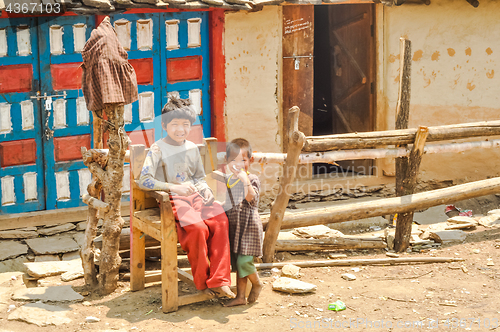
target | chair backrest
[{"x": 208, "y": 152}]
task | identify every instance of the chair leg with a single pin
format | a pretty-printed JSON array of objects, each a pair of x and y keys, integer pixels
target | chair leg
[
  {"x": 137, "y": 259},
  {"x": 169, "y": 282}
]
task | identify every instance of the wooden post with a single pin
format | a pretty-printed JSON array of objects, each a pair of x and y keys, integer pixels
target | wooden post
[
  {"x": 402, "y": 121},
  {"x": 137, "y": 202},
  {"x": 296, "y": 140},
  {"x": 94, "y": 189},
  {"x": 405, "y": 219}
]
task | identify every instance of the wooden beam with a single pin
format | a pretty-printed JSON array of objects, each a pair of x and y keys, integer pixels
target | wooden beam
[
  {"x": 49, "y": 217},
  {"x": 399, "y": 137},
  {"x": 330, "y": 244},
  {"x": 409, "y": 181},
  {"x": 332, "y": 156},
  {"x": 385, "y": 206},
  {"x": 354, "y": 262},
  {"x": 296, "y": 140}
]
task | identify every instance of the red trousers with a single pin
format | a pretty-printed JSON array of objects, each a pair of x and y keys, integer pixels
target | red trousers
[{"x": 203, "y": 234}]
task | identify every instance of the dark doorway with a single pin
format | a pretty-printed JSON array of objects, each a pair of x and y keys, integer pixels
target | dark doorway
[{"x": 344, "y": 50}]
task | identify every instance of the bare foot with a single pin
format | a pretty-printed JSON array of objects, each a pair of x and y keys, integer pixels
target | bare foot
[
  {"x": 255, "y": 292},
  {"x": 210, "y": 292},
  {"x": 224, "y": 291},
  {"x": 236, "y": 301}
]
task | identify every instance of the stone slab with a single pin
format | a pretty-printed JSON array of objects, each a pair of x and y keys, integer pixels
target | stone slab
[
  {"x": 14, "y": 264},
  {"x": 11, "y": 249},
  {"x": 47, "y": 294},
  {"x": 72, "y": 275},
  {"x": 431, "y": 216},
  {"x": 18, "y": 234},
  {"x": 294, "y": 286},
  {"x": 53, "y": 245},
  {"x": 47, "y": 269},
  {"x": 47, "y": 258},
  {"x": 71, "y": 256},
  {"x": 79, "y": 238},
  {"x": 56, "y": 229},
  {"x": 448, "y": 236},
  {"x": 41, "y": 314}
]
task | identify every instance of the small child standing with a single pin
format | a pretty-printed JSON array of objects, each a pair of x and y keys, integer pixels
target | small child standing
[{"x": 245, "y": 226}]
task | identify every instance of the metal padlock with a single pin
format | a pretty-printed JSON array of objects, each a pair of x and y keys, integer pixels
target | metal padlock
[
  {"x": 297, "y": 63},
  {"x": 48, "y": 104}
]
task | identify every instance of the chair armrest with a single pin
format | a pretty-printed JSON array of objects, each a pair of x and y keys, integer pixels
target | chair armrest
[
  {"x": 218, "y": 176},
  {"x": 161, "y": 196}
]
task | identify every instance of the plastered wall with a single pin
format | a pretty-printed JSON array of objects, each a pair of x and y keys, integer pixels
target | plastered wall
[
  {"x": 454, "y": 76},
  {"x": 253, "y": 98}
]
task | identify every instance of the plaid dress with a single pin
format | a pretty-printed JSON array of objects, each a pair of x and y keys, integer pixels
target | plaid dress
[
  {"x": 245, "y": 226},
  {"x": 108, "y": 77}
]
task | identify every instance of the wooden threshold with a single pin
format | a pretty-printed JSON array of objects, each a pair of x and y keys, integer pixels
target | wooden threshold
[{"x": 50, "y": 217}]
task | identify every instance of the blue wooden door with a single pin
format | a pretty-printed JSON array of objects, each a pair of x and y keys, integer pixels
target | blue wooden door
[
  {"x": 21, "y": 151},
  {"x": 185, "y": 64},
  {"x": 65, "y": 118}
]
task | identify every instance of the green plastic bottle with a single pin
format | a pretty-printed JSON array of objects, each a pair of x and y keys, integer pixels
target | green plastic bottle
[{"x": 337, "y": 306}]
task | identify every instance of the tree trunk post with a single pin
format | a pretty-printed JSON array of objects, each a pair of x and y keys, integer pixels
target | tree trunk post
[
  {"x": 404, "y": 220},
  {"x": 296, "y": 140},
  {"x": 402, "y": 121},
  {"x": 112, "y": 185},
  {"x": 94, "y": 189}
]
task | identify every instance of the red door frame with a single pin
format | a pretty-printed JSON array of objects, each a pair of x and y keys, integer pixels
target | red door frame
[{"x": 217, "y": 60}]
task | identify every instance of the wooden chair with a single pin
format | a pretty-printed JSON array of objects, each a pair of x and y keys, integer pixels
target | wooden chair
[{"x": 159, "y": 222}]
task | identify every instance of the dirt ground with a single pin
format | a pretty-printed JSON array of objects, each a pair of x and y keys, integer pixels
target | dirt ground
[{"x": 441, "y": 296}]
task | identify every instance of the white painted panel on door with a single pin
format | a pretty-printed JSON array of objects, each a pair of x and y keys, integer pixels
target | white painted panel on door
[
  {"x": 79, "y": 38},
  {"x": 84, "y": 179},
  {"x": 8, "y": 195},
  {"x": 23, "y": 40},
  {"x": 194, "y": 32},
  {"x": 172, "y": 31},
  {"x": 82, "y": 113},
  {"x": 62, "y": 185},
  {"x": 30, "y": 189},
  {"x": 145, "y": 34},
  {"x": 27, "y": 115},
  {"x": 56, "y": 42},
  {"x": 5, "y": 118},
  {"x": 59, "y": 113},
  {"x": 122, "y": 28},
  {"x": 3, "y": 42},
  {"x": 146, "y": 106}
]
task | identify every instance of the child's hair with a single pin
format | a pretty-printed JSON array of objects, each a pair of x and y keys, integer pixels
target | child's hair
[
  {"x": 233, "y": 148},
  {"x": 177, "y": 108}
]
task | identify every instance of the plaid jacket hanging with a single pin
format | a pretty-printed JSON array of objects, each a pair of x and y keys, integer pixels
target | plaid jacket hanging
[{"x": 108, "y": 77}]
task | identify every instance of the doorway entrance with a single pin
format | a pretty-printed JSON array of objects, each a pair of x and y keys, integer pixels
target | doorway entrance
[{"x": 344, "y": 49}]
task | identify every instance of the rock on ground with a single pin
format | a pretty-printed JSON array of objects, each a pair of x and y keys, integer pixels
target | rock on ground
[
  {"x": 56, "y": 229},
  {"x": 348, "y": 276},
  {"x": 448, "y": 236},
  {"x": 316, "y": 232},
  {"x": 294, "y": 286},
  {"x": 53, "y": 245},
  {"x": 291, "y": 271},
  {"x": 47, "y": 294},
  {"x": 11, "y": 249},
  {"x": 47, "y": 269},
  {"x": 14, "y": 264},
  {"x": 41, "y": 314},
  {"x": 18, "y": 234},
  {"x": 47, "y": 258}
]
